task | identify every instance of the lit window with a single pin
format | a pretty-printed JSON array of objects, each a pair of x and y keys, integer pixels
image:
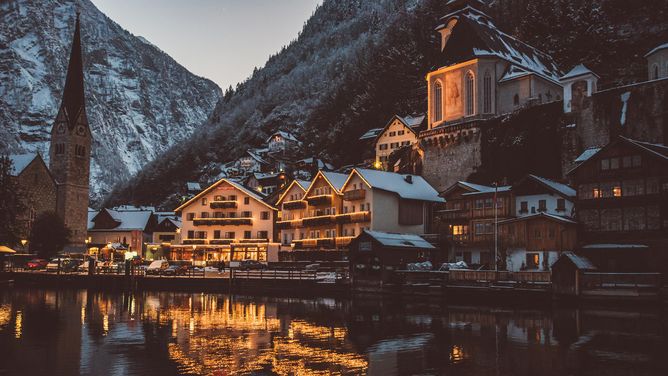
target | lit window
[
  {"x": 617, "y": 191},
  {"x": 597, "y": 193}
]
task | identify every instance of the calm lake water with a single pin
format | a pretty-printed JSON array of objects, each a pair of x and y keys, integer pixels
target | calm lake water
[{"x": 70, "y": 332}]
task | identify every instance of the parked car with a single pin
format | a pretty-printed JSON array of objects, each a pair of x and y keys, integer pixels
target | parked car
[
  {"x": 54, "y": 264},
  {"x": 174, "y": 270},
  {"x": 251, "y": 265},
  {"x": 157, "y": 267},
  {"x": 36, "y": 264}
]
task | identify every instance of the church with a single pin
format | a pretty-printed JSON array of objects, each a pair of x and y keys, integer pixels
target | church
[{"x": 63, "y": 185}]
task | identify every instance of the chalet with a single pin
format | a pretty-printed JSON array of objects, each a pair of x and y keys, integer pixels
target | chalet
[
  {"x": 544, "y": 226},
  {"x": 37, "y": 186},
  {"x": 399, "y": 132},
  {"x": 166, "y": 232},
  {"x": 468, "y": 217},
  {"x": 253, "y": 161},
  {"x": 292, "y": 208},
  {"x": 622, "y": 201},
  {"x": 129, "y": 227},
  {"x": 282, "y": 142},
  {"x": 266, "y": 183},
  {"x": 226, "y": 222}
]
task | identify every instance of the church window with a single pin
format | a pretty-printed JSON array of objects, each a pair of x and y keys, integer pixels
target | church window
[
  {"x": 438, "y": 101},
  {"x": 487, "y": 93},
  {"x": 516, "y": 100},
  {"x": 655, "y": 72},
  {"x": 469, "y": 81},
  {"x": 79, "y": 150},
  {"x": 60, "y": 149}
]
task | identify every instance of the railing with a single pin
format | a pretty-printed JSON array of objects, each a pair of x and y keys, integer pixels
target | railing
[
  {"x": 222, "y": 221},
  {"x": 293, "y": 223},
  {"x": 356, "y": 194},
  {"x": 223, "y": 205},
  {"x": 319, "y": 200},
  {"x": 499, "y": 276},
  {"x": 357, "y": 217},
  {"x": 301, "y": 275},
  {"x": 340, "y": 241},
  {"x": 292, "y": 205},
  {"x": 318, "y": 221},
  {"x": 221, "y": 241},
  {"x": 194, "y": 241},
  {"x": 620, "y": 280}
]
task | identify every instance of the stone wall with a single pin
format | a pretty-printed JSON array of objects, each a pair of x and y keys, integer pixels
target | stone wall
[{"x": 38, "y": 190}]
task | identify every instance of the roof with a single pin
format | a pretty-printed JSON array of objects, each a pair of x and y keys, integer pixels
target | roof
[
  {"x": 412, "y": 123},
  {"x": 615, "y": 246},
  {"x": 134, "y": 208},
  {"x": 556, "y": 187},
  {"x": 514, "y": 72},
  {"x": 320, "y": 163},
  {"x": 254, "y": 154},
  {"x": 657, "y": 150},
  {"x": 371, "y": 133},
  {"x": 250, "y": 193},
  {"x": 335, "y": 179},
  {"x": 586, "y": 155},
  {"x": 302, "y": 184},
  {"x": 500, "y": 189},
  {"x": 128, "y": 220},
  {"x": 657, "y": 48},
  {"x": 193, "y": 186},
  {"x": 73, "y": 93},
  {"x": 286, "y": 135},
  {"x": 418, "y": 189},
  {"x": 580, "y": 262},
  {"x": 399, "y": 240},
  {"x": 578, "y": 70},
  {"x": 476, "y": 36},
  {"x": 20, "y": 162},
  {"x": 475, "y": 188},
  {"x": 553, "y": 217}
]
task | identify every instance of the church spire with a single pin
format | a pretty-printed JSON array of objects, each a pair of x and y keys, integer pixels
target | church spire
[{"x": 73, "y": 94}]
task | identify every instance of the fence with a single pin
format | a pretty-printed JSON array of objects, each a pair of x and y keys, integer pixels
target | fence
[
  {"x": 284, "y": 275},
  {"x": 492, "y": 276},
  {"x": 621, "y": 280}
]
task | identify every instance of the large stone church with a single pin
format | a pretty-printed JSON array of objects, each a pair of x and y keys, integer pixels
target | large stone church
[{"x": 63, "y": 186}]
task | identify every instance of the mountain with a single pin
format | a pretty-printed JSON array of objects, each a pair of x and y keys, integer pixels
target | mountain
[
  {"x": 356, "y": 63},
  {"x": 139, "y": 100}
]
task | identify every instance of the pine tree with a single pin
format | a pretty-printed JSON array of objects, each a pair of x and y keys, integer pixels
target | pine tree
[{"x": 11, "y": 204}]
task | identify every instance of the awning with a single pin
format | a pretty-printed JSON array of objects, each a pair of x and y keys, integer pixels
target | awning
[{"x": 6, "y": 250}]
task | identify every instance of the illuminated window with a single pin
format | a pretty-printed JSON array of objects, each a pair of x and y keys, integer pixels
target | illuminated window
[
  {"x": 596, "y": 193},
  {"x": 532, "y": 260},
  {"x": 438, "y": 101},
  {"x": 617, "y": 191},
  {"x": 204, "y": 201}
]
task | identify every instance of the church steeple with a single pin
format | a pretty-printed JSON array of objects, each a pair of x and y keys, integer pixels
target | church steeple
[{"x": 73, "y": 94}]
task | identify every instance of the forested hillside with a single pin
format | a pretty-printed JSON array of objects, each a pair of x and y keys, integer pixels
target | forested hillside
[{"x": 356, "y": 63}]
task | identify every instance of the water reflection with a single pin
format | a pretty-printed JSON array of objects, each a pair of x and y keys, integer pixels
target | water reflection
[{"x": 81, "y": 332}]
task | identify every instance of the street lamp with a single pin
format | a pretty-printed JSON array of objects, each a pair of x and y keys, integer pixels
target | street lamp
[{"x": 23, "y": 243}]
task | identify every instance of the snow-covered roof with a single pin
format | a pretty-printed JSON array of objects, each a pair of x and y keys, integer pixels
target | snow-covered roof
[
  {"x": 514, "y": 72},
  {"x": 399, "y": 240},
  {"x": 336, "y": 179},
  {"x": 127, "y": 220},
  {"x": 412, "y": 121},
  {"x": 193, "y": 186},
  {"x": 303, "y": 183},
  {"x": 586, "y": 155},
  {"x": 416, "y": 189},
  {"x": 560, "y": 188},
  {"x": 483, "y": 189},
  {"x": 578, "y": 70},
  {"x": 134, "y": 208},
  {"x": 233, "y": 183},
  {"x": 657, "y": 48},
  {"x": 371, "y": 133},
  {"x": 475, "y": 36},
  {"x": 557, "y": 218},
  {"x": 264, "y": 175},
  {"x": 580, "y": 262},
  {"x": 91, "y": 214},
  {"x": 320, "y": 164},
  {"x": 256, "y": 156},
  {"x": 20, "y": 162},
  {"x": 657, "y": 149},
  {"x": 286, "y": 135},
  {"x": 615, "y": 246}
]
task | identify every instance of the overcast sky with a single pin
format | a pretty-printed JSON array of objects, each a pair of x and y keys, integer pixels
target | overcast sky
[{"x": 218, "y": 39}]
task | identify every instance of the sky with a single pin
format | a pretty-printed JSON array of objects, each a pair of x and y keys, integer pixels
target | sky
[{"x": 222, "y": 40}]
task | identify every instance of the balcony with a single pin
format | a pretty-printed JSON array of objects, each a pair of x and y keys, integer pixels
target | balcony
[
  {"x": 252, "y": 241},
  {"x": 284, "y": 225},
  {"x": 354, "y": 195},
  {"x": 223, "y": 205},
  {"x": 221, "y": 241},
  {"x": 194, "y": 241},
  {"x": 222, "y": 221},
  {"x": 318, "y": 221},
  {"x": 358, "y": 217},
  {"x": 453, "y": 214},
  {"x": 342, "y": 241},
  {"x": 319, "y": 200},
  {"x": 294, "y": 205}
]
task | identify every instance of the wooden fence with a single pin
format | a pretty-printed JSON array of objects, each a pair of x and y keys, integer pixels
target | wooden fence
[{"x": 621, "y": 280}]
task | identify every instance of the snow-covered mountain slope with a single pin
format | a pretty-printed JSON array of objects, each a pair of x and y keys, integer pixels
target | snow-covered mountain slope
[{"x": 139, "y": 100}]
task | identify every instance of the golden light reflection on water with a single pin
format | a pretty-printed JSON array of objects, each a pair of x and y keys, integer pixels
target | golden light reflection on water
[
  {"x": 18, "y": 325},
  {"x": 5, "y": 315}
]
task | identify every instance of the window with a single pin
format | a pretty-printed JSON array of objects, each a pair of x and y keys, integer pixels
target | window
[
  {"x": 264, "y": 215},
  {"x": 438, "y": 101},
  {"x": 469, "y": 82},
  {"x": 218, "y": 198},
  {"x": 617, "y": 191},
  {"x": 191, "y": 234},
  {"x": 79, "y": 150},
  {"x": 479, "y": 204},
  {"x": 263, "y": 235},
  {"x": 247, "y": 235},
  {"x": 232, "y": 198},
  {"x": 614, "y": 163},
  {"x": 532, "y": 260},
  {"x": 633, "y": 187},
  {"x": 230, "y": 235},
  {"x": 596, "y": 193},
  {"x": 382, "y": 147},
  {"x": 487, "y": 93},
  {"x": 392, "y": 134},
  {"x": 216, "y": 234},
  {"x": 190, "y": 216},
  {"x": 401, "y": 133},
  {"x": 605, "y": 164},
  {"x": 204, "y": 201},
  {"x": 60, "y": 149},
  {"x": 537, "y": 234},
  {"x": 561, "y": 204},
  {"x": 204, "y": 215},
  {"x": 655, "y": 72},
  {"x": 246, "y": 200},
  {"x": 524, "y": 207},
  {"x": 488, "y": 203},
  {"x": 542, "y": 205},
  {"x": 246, "y": 214},
  {"x": 516, "y": 100}
]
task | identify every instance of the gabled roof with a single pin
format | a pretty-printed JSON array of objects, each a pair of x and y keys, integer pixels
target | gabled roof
[
  {"x": 476, "y": 36},
  {"x": 301, "y": 184},
  {"x": 657, "y": 150},
  {"x": 474, "y": 189},
  {"x": 586, "y": 155},
  {"x": 417, "y": 189},
  {"x": 412, "y": 123},
  {"x": 556, "y": 187},
  {"x": 334, "y": 179},
  {"x": 21, "y": 161},
  {"x": 371, "y": 133},
  {"x": 580, "y": 262},
  {"x": 399, "y": 240},
  {"x": 514, "y": 72},
  {"x": 286, "y": 135},
  {"x": 256, "y": 156},
  {"x": 657, "y": 48},
  {"x": 253, "y": 195},
  {"x": 127, "y": 220},
  {"x": 193, "y": 186},
  {"x": 577, "y": 71},
  {"x": 556, "y": 218}
]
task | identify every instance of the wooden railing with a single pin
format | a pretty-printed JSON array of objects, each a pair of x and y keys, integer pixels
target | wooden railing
[
  {"x": 620, "y": 280},
  {"x": 353, "y": 195},
  {"x": 301, "y": 275},
  {"x": 223, "y": 205},
  {"x": 499, "y": 276}
]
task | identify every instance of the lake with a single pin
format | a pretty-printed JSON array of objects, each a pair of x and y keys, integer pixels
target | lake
[{"x": 69, "y": 332}]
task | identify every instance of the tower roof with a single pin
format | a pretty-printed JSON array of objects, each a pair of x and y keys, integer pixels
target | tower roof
[{"x": 73, "y": 94}]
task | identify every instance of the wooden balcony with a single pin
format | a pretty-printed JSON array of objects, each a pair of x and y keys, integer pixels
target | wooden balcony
[
  {"x": 294, "y": 205},
  {"x": 318, "y": 221},
  {"x": 222, "y": 221},
  {"x": 194, "y": 241},
  {"x": 453, "y": 214},
  {"x": 223, "y": 205},
  {"x": 337, "y": 242},
  {"x": 358, "y": 217},
  {"x": 221, "y": 241},
  {"x": 319, "y": 200},
  {"x": 284, "y": 225},
  {"x": 354, "y": 195}
]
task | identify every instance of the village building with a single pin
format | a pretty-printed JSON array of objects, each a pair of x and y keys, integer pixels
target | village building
[
  {"x": 657, "y": 62},
  {"x": 399, "y": 132},
  {"x": 468, "y": 220},
  {"x": 166, "y": 232},
  {"x": 543, "y": 227},
  {"x": 292, "y": 208},
  {"x": 266, "y": 183},
  {"x": 226, "y": 222},
  {"x": 622, "y": 204},
  {"x": 282, "y": 143},
  {"x": 37, "y": 187},
  {"x": 121, "y": 232}
]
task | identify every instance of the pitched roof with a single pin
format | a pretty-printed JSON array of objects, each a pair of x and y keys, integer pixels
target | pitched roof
[
  {"x": 73, "y": 93},
  {"x": 586, "y": 155},
  {"x": 412, "y": 123},
  {"x": 514, "y": 72},
  {"x": 337, "y": 180},
  {"x": 20, "y": 162},
  {"x": 475, "y": 36},
  {"x": 399, "y": 240},
  {"x": 417, "y": 189},
  {"x": 657, "y": 48},
  {"x": 656, "y": 150},
  {"x": 553, "y": 217},
  {"x": 127, "y": 220},
  {"x": 371, "y": 133},
  {"x": 556, "y": 187},
  {"x": 249, "y": 192},
  {"x": 254, "y": 153},
  {"x": 286, "y": 135},
  {"x": 578, "y": 70},
  {"x": 301, "y": 184},
  {"x": 580, "y": 262}
]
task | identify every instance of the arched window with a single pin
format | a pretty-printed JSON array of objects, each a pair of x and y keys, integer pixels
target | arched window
[
  {"x": 438, "y": 101},
  {"x": 487, "y": 93},
  {"x": 516, "y": 100},
  {"x": 469, "y": 84},
  {"x": 655, "y": 72}
]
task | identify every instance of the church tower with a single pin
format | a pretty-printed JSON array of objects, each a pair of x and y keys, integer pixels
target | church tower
[{"x": 69, "y": 152}]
